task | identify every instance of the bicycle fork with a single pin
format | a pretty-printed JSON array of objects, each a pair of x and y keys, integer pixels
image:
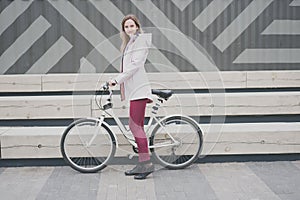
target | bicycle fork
[{"x": 96, "y": 132}]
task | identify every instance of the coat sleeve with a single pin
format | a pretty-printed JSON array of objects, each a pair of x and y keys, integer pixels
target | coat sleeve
[{"x": 138, "y": 58}]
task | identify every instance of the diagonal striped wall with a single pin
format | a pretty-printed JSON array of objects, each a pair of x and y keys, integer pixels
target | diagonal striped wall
[{"x": 39, "y": 37}]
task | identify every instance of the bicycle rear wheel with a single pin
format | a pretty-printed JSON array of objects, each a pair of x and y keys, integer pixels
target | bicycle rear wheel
[
  {"x": 184, "y": 150},
  {"x": 86, "y": 146}
]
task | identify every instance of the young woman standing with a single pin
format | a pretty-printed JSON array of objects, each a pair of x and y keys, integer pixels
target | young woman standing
[{"x": 135, "y": 87}]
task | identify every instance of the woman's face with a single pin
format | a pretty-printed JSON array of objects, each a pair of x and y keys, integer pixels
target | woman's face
[{"x": 130, "y": 27}]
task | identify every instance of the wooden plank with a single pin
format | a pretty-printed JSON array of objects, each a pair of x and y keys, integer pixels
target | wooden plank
[
  {"x": 173, "y": 80},
  {"x": 73, "y": 82},
  {"x": 198, "y": 80},
  {"x": 273, "y": 79},
  {"x": 20, "y": 83},
  {"x": 221, "y": 104},
  {"x": 41, "y": 107},
  {"x": 251, "y": 138},
  {"x": 247, "y": 138},
  {"x": 46, "y": 107},
  {"x": 31, "y": 142},
  {"x": 181, "y": 80}
]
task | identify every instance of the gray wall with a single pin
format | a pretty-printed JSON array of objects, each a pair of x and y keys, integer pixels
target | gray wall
[{"x": 53, "y": 36}]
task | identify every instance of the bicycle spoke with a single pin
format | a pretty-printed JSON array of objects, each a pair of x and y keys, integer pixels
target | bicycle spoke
[
  {"x": 178, "y": 129},
  {"x": 86, "y": 146}
]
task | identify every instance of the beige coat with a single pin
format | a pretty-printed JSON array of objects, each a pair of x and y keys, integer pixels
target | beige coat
[{"x": 134, "y": 77}]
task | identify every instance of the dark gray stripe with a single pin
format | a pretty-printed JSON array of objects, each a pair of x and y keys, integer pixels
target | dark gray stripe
[
  {"x": 65, "y": 183},
  {"x": 281, "y": 177},
  {"x": 97, "y": 19},
  {"x": 248, "y": 37},
  {"x": 9, "y": 36},
  {"x": 40, "y": 46},
  {"x": 4, "y": 4},
  {"x": 222, "y": 60},
  {"x": 183, "y": 20},
  {"x": 107, "y": 29},
  {"x": 252, "y": 38},
  {"x": 175, "y": 56},
  {"x": 199, "y": 119},
  {"x": 68, "y": 64},
  {"x": 192, "y": 185}
]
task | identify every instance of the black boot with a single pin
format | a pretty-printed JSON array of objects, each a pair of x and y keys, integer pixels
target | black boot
[
  {"x": 146, "y": 170},
  {"x": 136, "y": 170}
]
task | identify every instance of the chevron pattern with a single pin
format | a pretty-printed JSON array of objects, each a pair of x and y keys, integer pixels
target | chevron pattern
[{"x": 40, "y": 37}]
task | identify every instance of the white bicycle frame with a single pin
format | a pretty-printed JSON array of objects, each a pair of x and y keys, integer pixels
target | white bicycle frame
[{"x": 127, "y": 133}]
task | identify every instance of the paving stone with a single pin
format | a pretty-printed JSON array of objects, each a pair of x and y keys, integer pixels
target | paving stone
[
  {"x": 191, "y": 181},
  {"x": 236, "y": 181},
  {"x": 283, "y": 178},
  {"x": 23, "y": 183},
  {"x": 296, "y": 163},
  {"x": 115, "y": 185},
  {"x": 65, "y": 183},
  {"x": 250, "y": 181}
]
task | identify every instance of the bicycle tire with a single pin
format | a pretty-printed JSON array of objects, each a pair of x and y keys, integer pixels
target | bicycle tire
[
  {"x": 85, "y": 157},
  {"x": 188, "y": 156}
]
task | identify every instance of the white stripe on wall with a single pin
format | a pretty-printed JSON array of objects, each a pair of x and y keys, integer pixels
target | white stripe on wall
[
  {"x": 182, "y": 4},
  {"x": 87, "y": 30},
  {"x": 295, "y": 3},
  {"x": 283, "y": 27},
  {"x": 269, "y": 56},
  {"x": 210, "y": 13},
  {"x": 240, "y": 24},
  {"x": 86, "y": 66},
  {"x": 114, "y": 16},
  {"x": 12, "y": 12},
  {"x": 174, "y": 35},
  {"x": 23, "y": 43},
  {"x": 51, "y": 57}
]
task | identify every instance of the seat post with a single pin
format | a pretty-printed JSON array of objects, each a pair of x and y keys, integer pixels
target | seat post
[{"x": 156, "y": 106}]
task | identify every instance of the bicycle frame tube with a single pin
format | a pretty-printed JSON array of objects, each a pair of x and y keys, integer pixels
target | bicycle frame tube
[{"x": 127, "y": 133}]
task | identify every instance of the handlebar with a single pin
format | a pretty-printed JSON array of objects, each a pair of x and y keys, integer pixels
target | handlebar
[
  {"x": 105, "y": 86},
  {"x": 107, "y": 104}
]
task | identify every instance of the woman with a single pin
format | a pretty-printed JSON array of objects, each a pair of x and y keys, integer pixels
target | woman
[{"x": 135, "y": 87}]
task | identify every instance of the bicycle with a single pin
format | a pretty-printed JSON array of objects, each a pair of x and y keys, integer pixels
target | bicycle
[{"x": 89, "y": 144}]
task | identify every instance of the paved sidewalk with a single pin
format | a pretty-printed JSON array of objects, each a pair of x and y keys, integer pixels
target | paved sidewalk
[{"x": 249, "y": 180}]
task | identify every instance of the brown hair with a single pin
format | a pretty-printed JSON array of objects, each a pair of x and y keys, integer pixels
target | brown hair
[{"x": 125, "y": 38}]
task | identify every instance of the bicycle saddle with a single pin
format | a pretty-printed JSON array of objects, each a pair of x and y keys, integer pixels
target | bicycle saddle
[{"x": 165, "y": 94}]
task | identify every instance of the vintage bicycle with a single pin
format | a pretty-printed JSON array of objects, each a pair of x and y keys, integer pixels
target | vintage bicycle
[{"x": 89, "y": 144}]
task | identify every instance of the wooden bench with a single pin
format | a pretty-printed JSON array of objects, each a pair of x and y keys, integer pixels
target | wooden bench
[{"x": 210, "y": 94}]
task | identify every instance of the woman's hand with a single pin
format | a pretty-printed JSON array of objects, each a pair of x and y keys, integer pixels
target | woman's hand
[{"x": 112, "y": 82}]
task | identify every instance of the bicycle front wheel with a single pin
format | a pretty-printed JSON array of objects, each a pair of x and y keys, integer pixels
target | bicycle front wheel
[
  {"x": 87, "y": 146},
  {"x": 177, "y": 142}
]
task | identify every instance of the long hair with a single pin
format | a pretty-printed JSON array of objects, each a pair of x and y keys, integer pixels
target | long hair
[{"x": 125, "y": 38}]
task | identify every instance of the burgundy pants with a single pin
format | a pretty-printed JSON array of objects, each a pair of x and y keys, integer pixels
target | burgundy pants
[{"x": 136, "y": 125}]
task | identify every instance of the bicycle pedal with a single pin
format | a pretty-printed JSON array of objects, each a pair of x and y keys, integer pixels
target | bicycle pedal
[{"x": 130, "y": 156}]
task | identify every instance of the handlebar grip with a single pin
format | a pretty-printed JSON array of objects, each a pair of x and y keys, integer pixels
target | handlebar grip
[{"x": 105, "y": 86}]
